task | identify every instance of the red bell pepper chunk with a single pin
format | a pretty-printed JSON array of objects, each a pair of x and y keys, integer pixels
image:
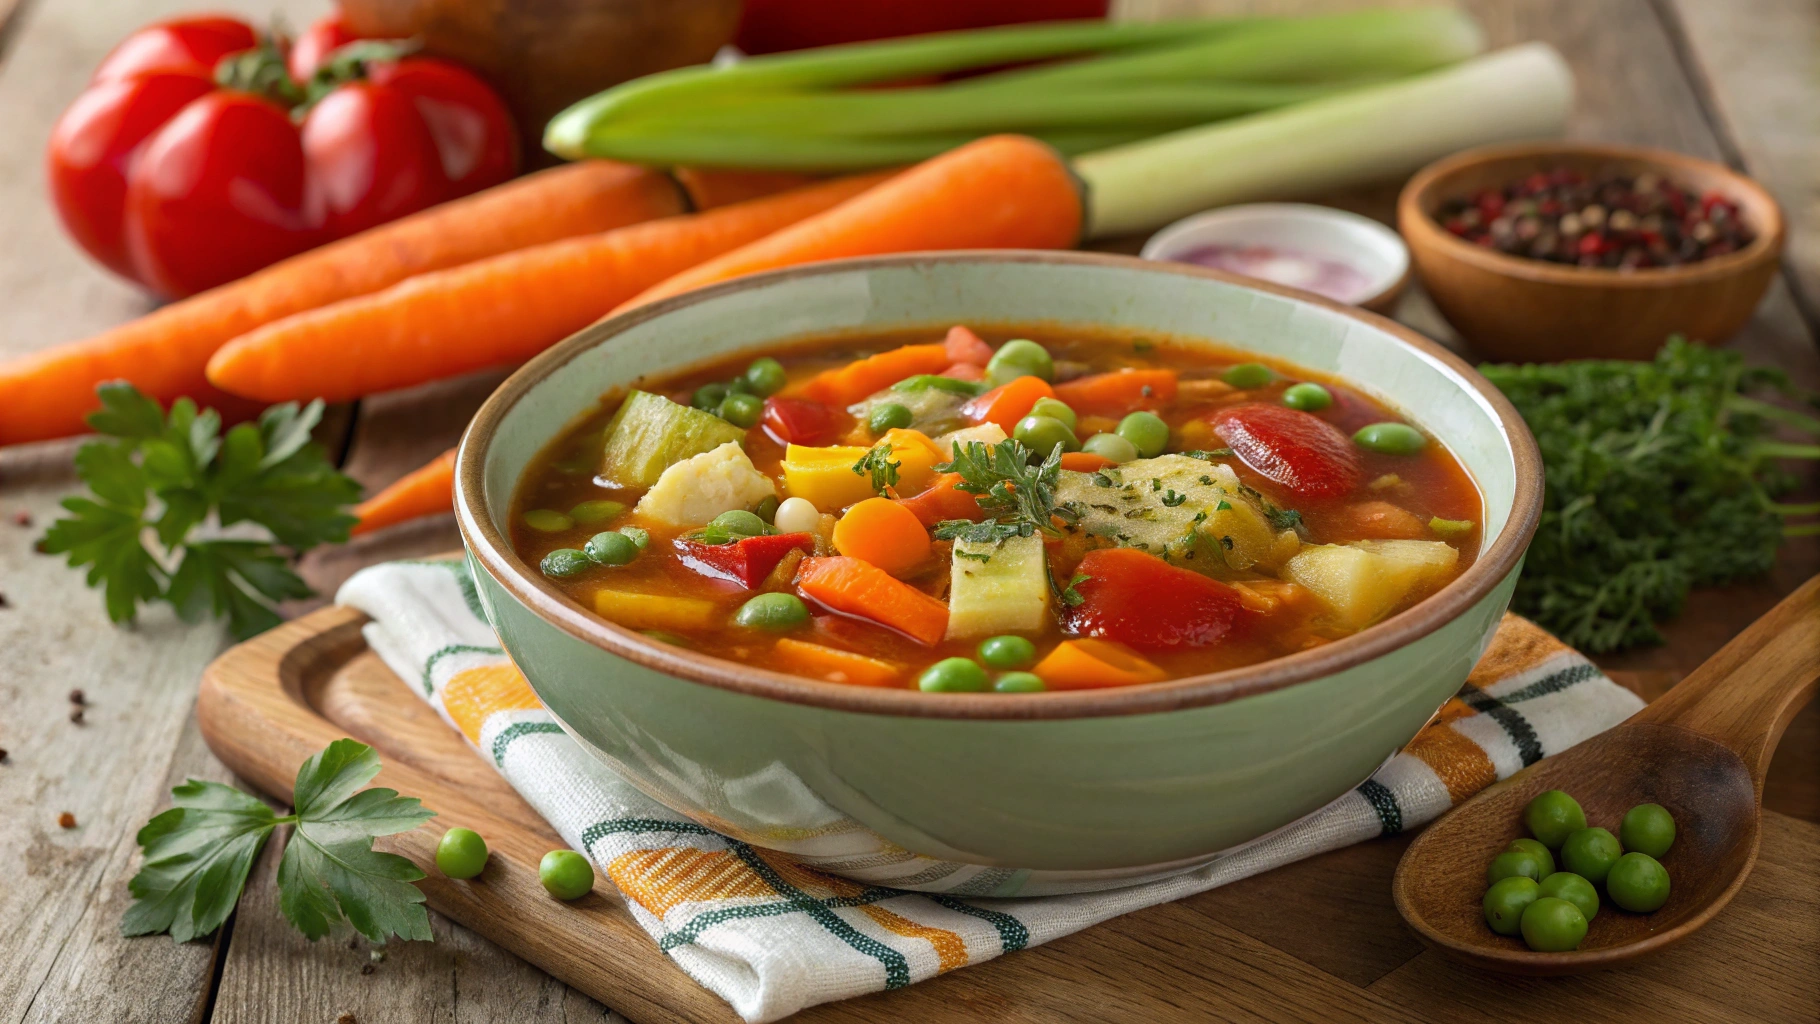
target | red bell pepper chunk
[
  {"x": 801, "y": 421},
  {"x": 964, "y": 346},
  {"x": 746, "y": 561},
  {"x": 1299, "y": 450},
  {"x": 1138, "y": 599}
]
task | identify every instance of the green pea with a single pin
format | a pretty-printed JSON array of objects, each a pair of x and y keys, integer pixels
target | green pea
[
  {"x": 1110, "y": 446},
  {"x": 738, "y": 386},
  {"x": 1147, "y": 433},
  {"x": 1512, "y": 863},
  {"x": 1552, "y": 816},
  {"x": 889, "y": 416},
  {"x": 765, "y": 376},
  {"x": 564, "y": 563},
  {"x": 546, "y": 520},
  {"x": 565, "y": 874},
  {"x": 590, "y": 512},
  {"x": 1505, "y": 902},
  {"x": 1541, "y": 852},
  {"x": 742, "y": 410},
  {"x": 611, "y": 548},
  {"x": 1007, "y": 652},
  {"x": 1308, "y": 397},
  {"x": 767, "y": 509},
  {"x": 1019, "y": 358},
  {"x": 1590, "y": 853},
  {"x": 740, "y": 523},
  {"x": 1565, "y": 885},
  {"x": 1041, "y": 434},
  {"x": 1638, "y": 883},
  {"x": 708, "y": 397},
  {"x": 952, "y": 675},
  {"x": 1552, "y": 925},
  {"x": 772, "y": 611},
  {"x": 1054, "y": 408},
  {"x": 636, "y": 536},
  {"x": 461, "y": 853},
  {"x": 1019, "y": 682},
  {"x": 1647, "y": 828},
  {"x": 1390, "y": 439},
  {"x": 1248, "y": 375}
]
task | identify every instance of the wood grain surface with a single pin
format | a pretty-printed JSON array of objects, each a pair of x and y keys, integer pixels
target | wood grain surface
[{"x": 1730, "y": 81}]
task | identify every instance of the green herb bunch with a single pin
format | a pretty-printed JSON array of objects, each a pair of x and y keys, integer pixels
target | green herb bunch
[
  {"x": 168, "y": 477},
  {"x": 1018, "y": 497},
  {"x": 198, "y": 855},
  {"x": 1660, "y": 477}
]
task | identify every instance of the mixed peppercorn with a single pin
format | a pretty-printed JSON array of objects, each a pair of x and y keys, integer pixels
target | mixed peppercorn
[{"x": 1616, "y": 221}]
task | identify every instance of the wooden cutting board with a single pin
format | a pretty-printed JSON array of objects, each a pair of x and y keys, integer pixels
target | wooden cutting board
[{"x": 1317, "y": 941}]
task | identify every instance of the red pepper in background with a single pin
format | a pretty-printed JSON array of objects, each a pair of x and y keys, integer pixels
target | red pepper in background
[
  {"x": 746, "y": 561},
  {"x": 769, "y": 26},
  {"x": 194, "y": 158},
  {"x": 1141, "y": 600}
]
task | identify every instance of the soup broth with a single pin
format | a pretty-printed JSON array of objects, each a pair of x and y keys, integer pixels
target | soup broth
[{"x": 1227, "y": 509}]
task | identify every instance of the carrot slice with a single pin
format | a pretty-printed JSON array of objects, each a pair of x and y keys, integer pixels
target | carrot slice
[
  {"x": 944, "y": 500},
  {"x": 999, "y": 192},
  {"x": 426, "y": 491},
  {"x": 1085, "y": 462},
  {"x": 499, "y": 310},
  {"x": 834, "y": 665},
  {"x": 964, "y": 346},
  {"x": 1088, "y": 663},
  {"x": 47, "y": 394},
  {"x": 1119, "y": 392},
  {"x": 1008, "y": 403},
  {"x": 862, "y": 589},
  {"x": 847, "y": 384},
  {"x": 880, "y": 531}
]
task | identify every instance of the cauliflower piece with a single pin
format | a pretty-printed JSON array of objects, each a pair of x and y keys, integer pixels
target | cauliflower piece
[
  {"x": 692, "y": 492},
  {"x": 985, "y": 433}
]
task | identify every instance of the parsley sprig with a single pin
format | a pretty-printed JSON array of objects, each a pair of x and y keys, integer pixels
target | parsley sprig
[
  {"x": 1017, "y": 497},
  {"x": 1658, "y": 478},
  {"x": 198, "y": 855},
  {"x": 166, "y": 477},
  {"x": 877, "y": 463}
]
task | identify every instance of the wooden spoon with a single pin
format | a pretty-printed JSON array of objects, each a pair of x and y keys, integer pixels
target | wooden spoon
[{"x": 1701, "y": 751}]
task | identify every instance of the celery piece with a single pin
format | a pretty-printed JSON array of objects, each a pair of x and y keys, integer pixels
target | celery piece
[
  {"x": 650, "y": 433},
  {"x": 1450, "y": 527}
]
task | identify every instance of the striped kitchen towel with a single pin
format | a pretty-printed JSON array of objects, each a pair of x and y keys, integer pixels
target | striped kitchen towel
[{"x": 771, "y": 935}]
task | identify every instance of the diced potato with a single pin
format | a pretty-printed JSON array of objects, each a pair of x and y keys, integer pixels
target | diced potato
[
  {"x": 1366, "y": 580},
  {"x": 997, "y": 588},
  {"x": 985, "y": 433},
  {"x": 825, "y": 476},
  {"x": 655, "y": 611},
  {"x": 695, "y": 490},
  {"x": 1193, "y": 513}
]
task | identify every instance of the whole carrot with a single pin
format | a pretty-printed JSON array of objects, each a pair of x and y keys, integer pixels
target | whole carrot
[
  {"x": 1000, "y": 192},
  {"x": 709, "y": 187},
  {"x": 47, "y": 394},
  {"x": 498, "y": 310},
  {"x": 426, "y": 491}
]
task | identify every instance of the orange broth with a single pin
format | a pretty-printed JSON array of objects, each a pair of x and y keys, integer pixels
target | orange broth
[{"x": 1278, "y": 620}]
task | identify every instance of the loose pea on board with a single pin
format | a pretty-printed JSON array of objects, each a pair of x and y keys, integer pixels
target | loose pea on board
[
  {"x": 461, "y": 853},
  {"x": 565, "y": 874}
]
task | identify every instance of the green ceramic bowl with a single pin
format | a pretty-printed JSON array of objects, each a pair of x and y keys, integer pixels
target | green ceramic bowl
[{"x": 994, "y": 794}]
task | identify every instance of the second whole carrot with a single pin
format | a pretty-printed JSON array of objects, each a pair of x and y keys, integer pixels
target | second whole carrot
[
  {"x": 499, "y": 310},
  {"x": 1000, "y": 192},
  {"x": 426, "y": 491}
]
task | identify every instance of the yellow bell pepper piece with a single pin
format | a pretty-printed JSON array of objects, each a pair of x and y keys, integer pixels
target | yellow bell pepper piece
[
  {"x": 825, "y": 477},
  {"x": 655, "y": 611}
]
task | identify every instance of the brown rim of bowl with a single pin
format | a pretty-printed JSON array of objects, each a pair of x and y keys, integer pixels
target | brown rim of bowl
[
  {"x": 493, "y": 552},
  {"x": 1413, "y": 215}
]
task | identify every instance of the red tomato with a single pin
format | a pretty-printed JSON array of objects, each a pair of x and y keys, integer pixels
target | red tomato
[
  {"x": 772, "y": 25},
  {"x": 324, "y": 36},
  {"x": 800, "y": 421},
  {"x": 182, "y": 184},
  {"x": 1141, "y": 600},
  {"x": 1299, "y": 450}
]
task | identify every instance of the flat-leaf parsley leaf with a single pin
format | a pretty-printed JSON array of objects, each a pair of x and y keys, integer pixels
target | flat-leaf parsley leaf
[{"x": 198, "y": 854}]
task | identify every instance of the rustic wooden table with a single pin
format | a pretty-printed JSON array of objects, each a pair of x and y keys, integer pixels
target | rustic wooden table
[{"x": 1729, "y": 80}]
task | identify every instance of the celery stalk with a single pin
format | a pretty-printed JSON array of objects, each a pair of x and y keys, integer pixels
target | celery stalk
[
  {"x": 862, "y": 63},
  {"x": 1374, "y": 133},
  {"x": 776, "y": 152}
]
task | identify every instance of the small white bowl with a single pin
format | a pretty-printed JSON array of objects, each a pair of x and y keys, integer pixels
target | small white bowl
[{"x": 1322, "y": 231}]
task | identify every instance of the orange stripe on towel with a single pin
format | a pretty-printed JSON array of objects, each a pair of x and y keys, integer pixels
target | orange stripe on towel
[
  {"x": 950, "y": 949},
  {"x": 1462, "y": 765},
  {"x": 1518, "y": 646},
  {"x": 474, "y": 695},
  {"x": 660, "y": 879}
]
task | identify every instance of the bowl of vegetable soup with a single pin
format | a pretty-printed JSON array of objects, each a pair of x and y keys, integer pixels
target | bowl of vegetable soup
[{"x": 996, "y": 573}]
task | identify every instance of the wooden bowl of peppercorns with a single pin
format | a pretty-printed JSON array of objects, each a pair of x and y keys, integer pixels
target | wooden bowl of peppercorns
[{"x": 1537, "y": 252}]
